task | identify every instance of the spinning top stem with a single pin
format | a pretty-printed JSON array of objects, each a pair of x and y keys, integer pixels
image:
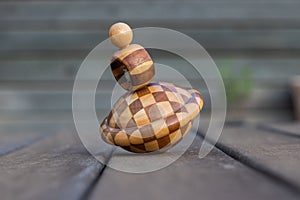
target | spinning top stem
[{"x": 132, "y": 65}]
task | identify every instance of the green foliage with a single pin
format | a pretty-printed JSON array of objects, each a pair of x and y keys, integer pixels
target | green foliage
[{"x": 238, "y": 84}]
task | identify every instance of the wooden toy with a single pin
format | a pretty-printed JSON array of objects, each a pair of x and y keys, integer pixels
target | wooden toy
[{"x": 151, "y": 116}]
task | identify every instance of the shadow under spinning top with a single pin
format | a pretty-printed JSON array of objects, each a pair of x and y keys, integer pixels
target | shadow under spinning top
[{"x": 151, "y": 116}]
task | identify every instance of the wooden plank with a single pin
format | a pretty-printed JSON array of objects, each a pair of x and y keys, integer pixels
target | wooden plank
[
  {"x": 58, "y": 167},
  {"x": 182, "y": 24},
  {"x": 48, "y": 100},
  {"x": 167, "y": 1},
  {"x": 268, "y": 152},
  {"x": 291, "y": 128},
  {"x": 40, "y": 119},
  {"x": 210, "y": 39},
  {"x": 148, "y": 10},
  {"x": 256, "y": 116},
  {"x": 82, "y": 53},
  {"x": 217, "y": 176},
  {"x": 16, "y": 137},
  {"x": 262, "y": 70},
  {"x": 39, "y": 69}
]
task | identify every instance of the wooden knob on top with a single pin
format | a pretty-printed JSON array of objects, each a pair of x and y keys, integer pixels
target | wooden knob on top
[{"x": 120, "y": 34}]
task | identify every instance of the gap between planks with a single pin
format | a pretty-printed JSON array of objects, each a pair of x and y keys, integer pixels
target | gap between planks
[
  {"x": 277, "y": 130},
  {"x": 87, "y": 193},
  {"x": 51, "y": 154},
  {"x": 228, "y": 151},
  {"x": 122, "y": 185},
  {"x": 251, "y": 163}
]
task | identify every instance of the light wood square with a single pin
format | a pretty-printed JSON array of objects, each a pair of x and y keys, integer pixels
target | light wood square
[
  {"x": 131, "y": 98},
  {"x": 175, "y": 97},
  {"x": 151, "y": 146},
  {"x": 165, "y": 108},
  {"x": 156, "y": 88},
  {"x": 124, "y": 118},
  {"x": 160, "y": 129},
  {"x": 175, "y": 136},
  {"x": 147, "y": 100},
  {"x": 141, "y": 118},
  {"x": 121, "y": 139},
  {"x": 136, "y": 137}
]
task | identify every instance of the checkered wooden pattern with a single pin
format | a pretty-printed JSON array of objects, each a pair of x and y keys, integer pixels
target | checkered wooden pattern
[
  {"x": 154, "y": 118},
  {"x": 132, "y": 67}
]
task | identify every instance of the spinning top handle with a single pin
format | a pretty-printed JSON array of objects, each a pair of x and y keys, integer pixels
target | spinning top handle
[{"x": 132, "y": 66}]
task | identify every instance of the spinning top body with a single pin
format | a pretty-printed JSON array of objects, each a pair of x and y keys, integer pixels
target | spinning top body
[
  {"x": 154, "y": 118},
  {"x": 151, "y": 116}
]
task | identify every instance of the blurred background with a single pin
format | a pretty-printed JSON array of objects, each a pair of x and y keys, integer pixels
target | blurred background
[
  {"x": 256, "y": 46},
  {"x": 254, "y": 43}
]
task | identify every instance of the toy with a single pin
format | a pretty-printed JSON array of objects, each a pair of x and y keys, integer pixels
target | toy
[{"x": 150, "y": 116}]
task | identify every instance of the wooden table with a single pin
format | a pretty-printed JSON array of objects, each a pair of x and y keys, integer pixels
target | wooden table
[{"x": 249, "y": 162}]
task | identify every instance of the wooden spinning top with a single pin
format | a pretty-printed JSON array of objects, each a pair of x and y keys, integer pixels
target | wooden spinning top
[{"x": 151, "y": 116}]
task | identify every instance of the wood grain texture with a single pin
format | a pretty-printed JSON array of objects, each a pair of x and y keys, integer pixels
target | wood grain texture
[
  {"x": 267, "y": 70},
  {"x": 120, "y": 34},
  {"x": 149, "y": 10},
  {"x": 217, "y": 176},
  {"x": 93, "y": 24},
  {"x": 132, "y": 67},
  {"x": 222, "y": 39},
  {"x": 58, "y": 167},
  {"x": 16, "y": 137},
  {"x": 291, "y": 128},
  {"x": 271, "y": 153},
  {"x": 154, "y": 118}
]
